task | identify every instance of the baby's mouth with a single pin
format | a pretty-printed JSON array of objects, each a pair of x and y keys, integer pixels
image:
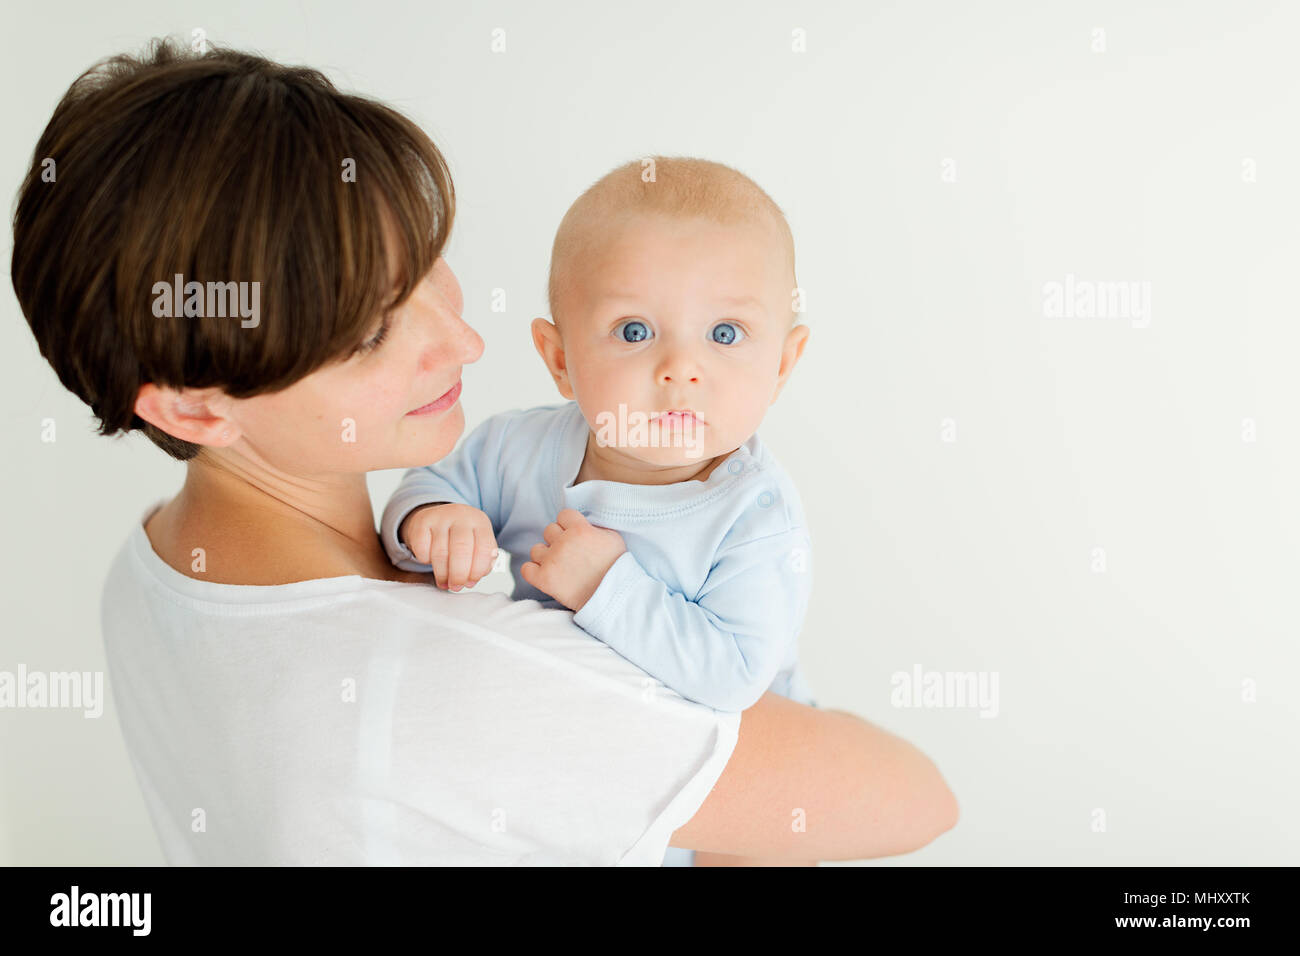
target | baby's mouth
[{"x": 677, "y": 416}]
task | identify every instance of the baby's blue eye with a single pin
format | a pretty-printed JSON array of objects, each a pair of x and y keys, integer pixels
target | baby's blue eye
[
  {"x": 724, "y": 333},
  {"x": 633, "y": 331}
]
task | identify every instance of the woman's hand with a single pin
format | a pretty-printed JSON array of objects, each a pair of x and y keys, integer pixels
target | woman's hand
[{"x": 455, "y": 540}]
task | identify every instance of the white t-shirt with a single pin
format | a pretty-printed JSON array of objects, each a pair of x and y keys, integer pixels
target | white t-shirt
[{"x": 354, "y": 721}]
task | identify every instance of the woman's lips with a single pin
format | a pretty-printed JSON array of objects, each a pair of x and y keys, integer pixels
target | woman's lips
[{"x": 444, "y": 402}]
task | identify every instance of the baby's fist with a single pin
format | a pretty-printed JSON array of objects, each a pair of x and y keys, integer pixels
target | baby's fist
[
  {"x": 455, "y": 540},
  {"x": 574, "y": 558}
]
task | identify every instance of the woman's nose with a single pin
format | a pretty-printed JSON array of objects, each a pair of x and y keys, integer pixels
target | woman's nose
[
  {"x": 450, "y": 340},
  {"x": 469, "y": 341},
  {"x": 463, "y": 342}
]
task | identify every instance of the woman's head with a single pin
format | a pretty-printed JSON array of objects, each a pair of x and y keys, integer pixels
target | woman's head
[{"x": 225, "y": 167}]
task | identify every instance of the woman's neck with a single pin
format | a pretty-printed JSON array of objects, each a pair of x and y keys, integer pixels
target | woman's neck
[{"x": 256, "y": 527}]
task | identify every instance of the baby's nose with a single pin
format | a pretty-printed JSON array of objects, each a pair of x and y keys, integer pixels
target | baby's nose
[{"x": 678, "y": 368}]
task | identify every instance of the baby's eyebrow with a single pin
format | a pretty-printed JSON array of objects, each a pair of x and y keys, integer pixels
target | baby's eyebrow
[
  {"x": 740, "y": 300},
  {"x": 731, "y": 300}
]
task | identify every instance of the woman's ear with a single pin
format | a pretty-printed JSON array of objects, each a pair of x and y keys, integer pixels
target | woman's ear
[
  {"x": 550, "y": 346},
  {"x": 790, "y": 352},
  {"x": 197, "y": 415}
]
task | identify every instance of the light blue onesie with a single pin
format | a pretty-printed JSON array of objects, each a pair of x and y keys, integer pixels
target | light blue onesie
[{"x": 711, "y": 593}]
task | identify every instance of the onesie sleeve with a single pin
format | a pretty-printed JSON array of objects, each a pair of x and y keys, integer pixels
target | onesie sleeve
[
  {"x": 723, "y": 647},
  {"x": 470, "y": 475}
]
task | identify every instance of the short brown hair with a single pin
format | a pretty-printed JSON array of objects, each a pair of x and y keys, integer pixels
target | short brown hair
[
  {"x": 682, "y": 186},
  {"x": 220, "y": 166}
]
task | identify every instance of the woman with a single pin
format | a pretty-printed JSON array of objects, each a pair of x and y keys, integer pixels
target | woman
[{"x": 245, "y": 264}]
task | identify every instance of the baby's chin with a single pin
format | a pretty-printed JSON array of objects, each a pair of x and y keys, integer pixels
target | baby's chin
[
  {"x": 695, "y": 456},
  {"x": 670, "y": 457}
]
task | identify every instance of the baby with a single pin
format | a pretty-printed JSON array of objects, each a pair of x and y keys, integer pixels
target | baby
[{"x": 646, "y": 503}]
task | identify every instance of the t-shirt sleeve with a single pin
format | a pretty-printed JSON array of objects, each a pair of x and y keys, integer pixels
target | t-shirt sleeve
[{"x": 517, "y": 737}]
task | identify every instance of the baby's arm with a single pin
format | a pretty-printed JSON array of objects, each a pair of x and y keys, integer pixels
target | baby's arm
[
  {"x": 751, "y": 605},
  {"x": 723, "y": 648},
  {"x": 470, "y": 476}
]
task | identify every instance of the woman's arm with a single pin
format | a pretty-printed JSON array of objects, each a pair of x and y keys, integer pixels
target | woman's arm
[{"x": 863, "y": 791}]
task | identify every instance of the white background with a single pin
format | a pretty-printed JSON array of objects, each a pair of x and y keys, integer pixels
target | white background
[{"x": 1120, "y": 691}]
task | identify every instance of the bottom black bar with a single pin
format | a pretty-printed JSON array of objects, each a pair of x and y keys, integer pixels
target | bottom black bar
[{"x": 873, "y": 903}]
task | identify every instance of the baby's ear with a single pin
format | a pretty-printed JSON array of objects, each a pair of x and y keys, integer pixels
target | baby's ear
[
  {"x": 546, "y": 337},
  {"x": 795, "y": 341}
]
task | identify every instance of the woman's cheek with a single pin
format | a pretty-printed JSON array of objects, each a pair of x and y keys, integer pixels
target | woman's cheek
[{"x": 382, "y": 395}]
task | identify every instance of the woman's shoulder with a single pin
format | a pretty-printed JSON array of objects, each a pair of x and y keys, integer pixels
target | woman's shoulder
[
  {"x": 249, "y": 547},
  {"x": 146, "y": 601},
  {"x": 328, "y": 678}
]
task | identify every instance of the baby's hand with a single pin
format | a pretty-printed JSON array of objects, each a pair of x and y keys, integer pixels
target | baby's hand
[
  {"x": 574, "y": 558},
  {"x": 456, "y": 540}
]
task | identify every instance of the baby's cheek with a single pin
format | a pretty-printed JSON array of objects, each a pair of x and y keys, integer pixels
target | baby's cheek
[
  {"x": 599, "y": 389},
  {"x": 748, "y": 402}
]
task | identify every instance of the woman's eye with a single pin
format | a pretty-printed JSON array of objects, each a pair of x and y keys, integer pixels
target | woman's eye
[
  {"x": 377, "y": 339},
  {"x": 632, "y": 331},
  {"x": 724, "y": 333}
]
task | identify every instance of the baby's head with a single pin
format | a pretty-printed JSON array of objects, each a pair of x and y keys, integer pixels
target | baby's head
[{"x": 672, "y": 288}]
